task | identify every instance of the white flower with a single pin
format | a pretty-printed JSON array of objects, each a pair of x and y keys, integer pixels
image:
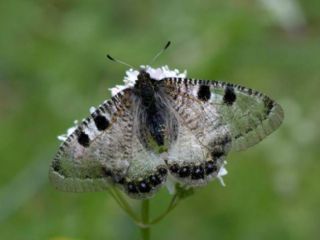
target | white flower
[
  {"x": 171, "y": 185},
  {"x": 222, "y": 172},
  {"x": 92, "y": 110},
  {"x": 155, "y": 73}
]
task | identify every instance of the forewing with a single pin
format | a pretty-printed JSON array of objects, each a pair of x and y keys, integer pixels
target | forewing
[
  {"x": 104, "y": 150},
  {"x": 212, "y": 109},
  {"x": 89, "y": 156}
]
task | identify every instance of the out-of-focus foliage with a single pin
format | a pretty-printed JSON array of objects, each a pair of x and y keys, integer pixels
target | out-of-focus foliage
[{"x": 53, "y": 68}]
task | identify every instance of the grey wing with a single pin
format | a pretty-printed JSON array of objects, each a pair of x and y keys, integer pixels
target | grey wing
[
  {"x": 212, "y": 109},
  {"x": 105, "y": 150},
  {"x": 202, "y": 143}
]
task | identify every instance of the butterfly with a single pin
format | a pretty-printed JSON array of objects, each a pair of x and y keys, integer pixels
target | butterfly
[{"x": 162, "y": 125}]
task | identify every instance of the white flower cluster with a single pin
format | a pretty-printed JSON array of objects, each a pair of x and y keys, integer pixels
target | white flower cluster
[
  {"x": 222, "y": 172},
  {"x": 155, "y": 73}
]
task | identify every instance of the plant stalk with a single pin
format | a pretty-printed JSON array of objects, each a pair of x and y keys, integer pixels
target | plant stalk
[{"x": 145, "y": 228}]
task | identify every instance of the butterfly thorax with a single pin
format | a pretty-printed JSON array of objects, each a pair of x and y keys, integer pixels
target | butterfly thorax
[
  {"x": 145, "y": 88},
  {"x": 153, "y": 114}
]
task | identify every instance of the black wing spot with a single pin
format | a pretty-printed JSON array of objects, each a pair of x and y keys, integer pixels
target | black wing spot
[
  {"x": 217, "y": 154},
  {"x": 101, "y": 122},
  {"x": 56, "y": 165},
  {"x": 132, "y": 188},
  {"x": 268, "y": 104},
  {"x": 210, "y": 167},
  {"x": 106, "y": 172},
  {"x": 184, "y": 172},
  {"x": 154, "y": 180},
  {"x": 229, "y": 96},
  {"x": 144, "y": 187},
  {"x": 118, "y": 179},
  {"x": 174, "y": 168},
  {"x": 83, "y": 139},
  {"x": 204, "y": 93},
  {"x": 197, "y": 172},
  {"x": 163, "y": 171}
]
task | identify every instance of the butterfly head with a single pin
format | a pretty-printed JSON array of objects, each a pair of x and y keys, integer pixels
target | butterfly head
[
  {"x": 144, "y": 87},
  {"x": 143, "y": 76}
]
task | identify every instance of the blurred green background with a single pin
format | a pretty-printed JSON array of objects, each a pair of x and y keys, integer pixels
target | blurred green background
[{"x": 53, "y": 68}]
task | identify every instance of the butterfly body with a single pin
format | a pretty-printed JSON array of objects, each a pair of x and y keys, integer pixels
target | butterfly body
[
  {"x": 152, "y": 110},
  {"x": 158, "y": 127}
]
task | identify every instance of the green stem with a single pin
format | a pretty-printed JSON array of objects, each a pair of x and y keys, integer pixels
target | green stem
[
  {"x": 143, "y": 222},
  {"x": 172, "y": 205},
  {"x": 123, "y": 204},
  {"x": 145, "y": 228}
]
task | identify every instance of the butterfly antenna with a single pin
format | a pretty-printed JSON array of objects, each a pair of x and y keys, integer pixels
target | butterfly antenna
[
  {"x": 159, "y": 53},
  {"x": 119, "y": 61}
]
